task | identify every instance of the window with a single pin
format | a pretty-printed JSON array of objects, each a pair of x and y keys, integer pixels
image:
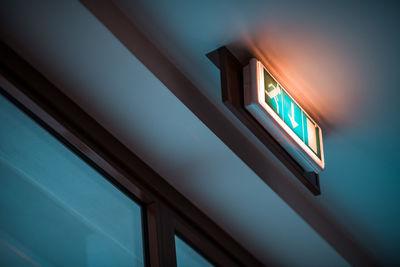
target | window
[
  {"x": 59, "y": 202},
  {"x": 55, "y": 209},
  {"x": 187, "y": 256}
]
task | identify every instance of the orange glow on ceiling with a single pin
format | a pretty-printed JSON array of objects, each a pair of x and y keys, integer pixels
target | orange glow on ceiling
[{"x": 319, "y": 75}]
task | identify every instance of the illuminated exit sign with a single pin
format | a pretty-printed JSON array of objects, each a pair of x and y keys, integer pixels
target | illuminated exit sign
[{"x": 273, "y": 107}]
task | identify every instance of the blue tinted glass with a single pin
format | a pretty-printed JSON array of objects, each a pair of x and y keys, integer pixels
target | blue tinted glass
[
  {"x": 188, "y": 257},
  {"x": 54, "y": 208}
]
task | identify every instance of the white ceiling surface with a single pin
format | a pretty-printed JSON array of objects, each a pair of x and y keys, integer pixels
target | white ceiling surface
[
  {"x": 76, "y": 52},
  {"x": 325, "y": 52},
  {"x": 340, "y": 59}
]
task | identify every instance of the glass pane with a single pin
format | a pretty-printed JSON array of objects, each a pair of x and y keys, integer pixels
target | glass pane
[
  {"x": 54, "y": 208},
  {"x": 188, "y": 257}
]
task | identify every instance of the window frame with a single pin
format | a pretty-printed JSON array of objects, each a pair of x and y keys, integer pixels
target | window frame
[{"x": 165, "y": 212}]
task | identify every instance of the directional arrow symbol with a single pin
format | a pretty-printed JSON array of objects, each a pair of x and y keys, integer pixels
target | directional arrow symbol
[{"x": 291, "y": 116}]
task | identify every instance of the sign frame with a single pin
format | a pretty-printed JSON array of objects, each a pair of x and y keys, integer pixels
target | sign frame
[{"x": 255, "y": 103}]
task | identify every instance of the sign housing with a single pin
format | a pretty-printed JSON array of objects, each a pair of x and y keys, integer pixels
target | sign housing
[{"x": 273, "y": 107}]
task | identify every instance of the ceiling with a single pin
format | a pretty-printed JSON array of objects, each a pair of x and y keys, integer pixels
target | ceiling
[{"x": 334, "y": 58}]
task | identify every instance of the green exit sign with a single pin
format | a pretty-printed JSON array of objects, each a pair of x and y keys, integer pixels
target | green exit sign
[{"x": 273, "y": 107}]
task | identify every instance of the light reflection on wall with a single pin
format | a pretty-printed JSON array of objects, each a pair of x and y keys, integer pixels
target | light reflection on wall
[{"x": 318, "y": 73}]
